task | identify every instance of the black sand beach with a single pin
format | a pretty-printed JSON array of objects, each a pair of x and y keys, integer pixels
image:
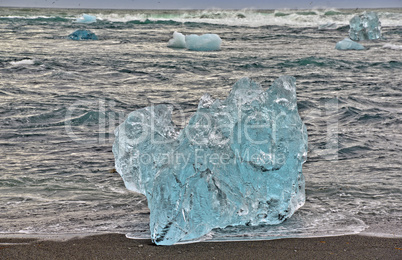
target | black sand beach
[{"x": 117, "y": 246}]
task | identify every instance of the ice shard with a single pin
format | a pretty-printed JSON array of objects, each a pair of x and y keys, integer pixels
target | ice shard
[
  {"x": 348, "y": 44},
  {"x": 82, "y": 35},
  {"x": 365, "y": 26},
  {"x": 237, "y": 162}
]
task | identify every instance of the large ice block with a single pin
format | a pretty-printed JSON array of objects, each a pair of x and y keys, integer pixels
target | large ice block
[
  {"x": 237, "y": 162},
  {"x": 348, "y": 44},
  {"x": 365, "y": 26}
]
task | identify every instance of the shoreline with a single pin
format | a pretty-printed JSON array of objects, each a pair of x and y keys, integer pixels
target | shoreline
[
  {"x": 117, "y": 246},
  {"x": 68, "y": 236}
]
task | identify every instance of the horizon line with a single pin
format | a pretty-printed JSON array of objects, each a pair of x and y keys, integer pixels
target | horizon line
[{"x": 194, "y": 9}]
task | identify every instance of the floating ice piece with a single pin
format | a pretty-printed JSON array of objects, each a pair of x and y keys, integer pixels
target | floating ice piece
[
  {"x": 205, "y": 42},
  {"x": 392, "y": 46},
  {"x": 365, "y": 26},
  {"x": 22, "y": 62},
  {"x": 348, "y": 44},
  {"x": 86, "y": 18},
  {"x": 238, "y": 161},
  {"x": 81, "y": 35},
  {"x": 328, "y": 26},
  {"x": 178, "y": 41}
]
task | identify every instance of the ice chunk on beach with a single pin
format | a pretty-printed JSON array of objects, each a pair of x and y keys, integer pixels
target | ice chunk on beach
[
  {"x": 365, "y": 26},
  {"x": 238, "y": 162},
  {"x": 348, "y": 44},
  {"x": 178, "y": 41},
  {"x": 86, "y": 18},
  {"x": 205, "y": 42},
  {"x": 82, "y": 35}
]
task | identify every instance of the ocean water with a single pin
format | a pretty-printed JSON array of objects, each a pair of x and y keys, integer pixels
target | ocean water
[{"x": 60, "y": 101}]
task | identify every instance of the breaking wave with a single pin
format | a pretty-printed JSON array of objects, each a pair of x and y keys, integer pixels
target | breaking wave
[
  {"x": 245, "y": 17},
  {"x": 254, "y": 18}
]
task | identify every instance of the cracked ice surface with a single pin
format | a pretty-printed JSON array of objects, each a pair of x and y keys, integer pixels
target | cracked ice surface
[{"x": 238, "y": 162}]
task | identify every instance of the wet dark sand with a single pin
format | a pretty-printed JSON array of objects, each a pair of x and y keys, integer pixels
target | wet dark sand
[{"x": 117, "y": 246}]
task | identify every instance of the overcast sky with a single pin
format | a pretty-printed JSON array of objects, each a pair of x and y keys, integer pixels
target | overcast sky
[{"x": 201, "y": 4}]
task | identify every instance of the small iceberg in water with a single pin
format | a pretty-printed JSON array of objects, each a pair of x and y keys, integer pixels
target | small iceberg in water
[
  {"x": 22, "y": 62},
  {"x": 365, "y": 26},
  {"x": 83, "y": 35},
  {"x": 86, "y": 18},
  {"x": 348, "y": 44},
  {"x": 392, "y": 46},
  {"x": 205, "y": 42}
]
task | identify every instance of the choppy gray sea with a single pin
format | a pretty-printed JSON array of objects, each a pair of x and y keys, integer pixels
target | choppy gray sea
[{"x": 60, "y": 101}]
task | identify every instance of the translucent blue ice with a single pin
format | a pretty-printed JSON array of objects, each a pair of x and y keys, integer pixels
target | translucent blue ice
[
  {"x": 178, "y": 41},
  {"x": 86, "y": 18},
  {"x": 237, "y": 162},
  {"x": 205, "y": 42},
  {"x": 365, "y": 26},
  {"x": 81, "y": 35},
  {"x": 348, "y": 44}
]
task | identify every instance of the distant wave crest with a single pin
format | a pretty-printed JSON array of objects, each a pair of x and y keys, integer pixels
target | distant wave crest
[{"x": 245, "y": 17}]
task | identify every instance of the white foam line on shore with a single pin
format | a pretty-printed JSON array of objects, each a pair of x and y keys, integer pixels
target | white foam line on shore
[
  {"x": 380, "y": 235},
  {"x": 52, "y": 237},
  {"x": 13, "y": 244}
]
